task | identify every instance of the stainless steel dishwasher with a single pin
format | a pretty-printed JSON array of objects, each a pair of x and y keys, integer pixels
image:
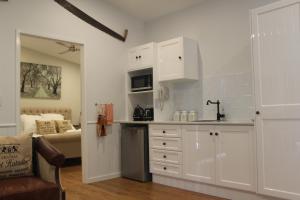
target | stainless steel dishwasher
[{"x": 135, "y": 153}]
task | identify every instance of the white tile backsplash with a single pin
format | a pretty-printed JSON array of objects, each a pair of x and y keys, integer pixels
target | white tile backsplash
[{"x": 233, "y": 90}]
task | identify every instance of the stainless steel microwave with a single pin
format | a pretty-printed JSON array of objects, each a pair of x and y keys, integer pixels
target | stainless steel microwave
[{"x": 141, "y": 83}]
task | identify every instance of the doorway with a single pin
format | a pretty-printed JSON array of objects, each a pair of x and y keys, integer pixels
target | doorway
[{"x": 50, "y": 85}]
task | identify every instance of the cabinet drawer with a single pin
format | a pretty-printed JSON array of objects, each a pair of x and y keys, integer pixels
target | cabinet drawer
[
  {"x": 171, "y": 157},
  {"x": 166, "y": 169},
  {"x": 172, "y": 144},
  {"x": 165, "y": 131}
]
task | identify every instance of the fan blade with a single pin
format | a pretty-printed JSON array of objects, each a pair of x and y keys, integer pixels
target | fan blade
[
  {"x": 63, "y": 44},
  {"x": 64, "y": 52}
]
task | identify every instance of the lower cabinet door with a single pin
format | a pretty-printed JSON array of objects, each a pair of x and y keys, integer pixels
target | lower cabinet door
[
  {"x": 198, "y": 149},
  {"x": 235, "y": 157},
  {"x": 166, "y": 169}
]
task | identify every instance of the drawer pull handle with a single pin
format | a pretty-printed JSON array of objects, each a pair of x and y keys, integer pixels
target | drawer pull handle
[
  {"x": 165, "y": 168},
  {"x": 164, "y": 143},
  {"x": 216, "y": 134},
  {"x": 211, "y": 133},
  {"x": 165, "y": 156}
]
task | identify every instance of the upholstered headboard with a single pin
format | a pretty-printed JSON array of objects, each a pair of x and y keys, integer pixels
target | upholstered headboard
[{"x": 66, "y": 112}]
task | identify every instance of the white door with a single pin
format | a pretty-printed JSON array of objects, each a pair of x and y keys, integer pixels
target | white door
[
  {"x": 198, "y": 153},
  {"x": 133, "y": 58},
  {"x": 170, "y": 60},
  {"x": 235, "y": 157},
  {"x": 146, "y": 56},
  {"x": 276, "y": 53}
]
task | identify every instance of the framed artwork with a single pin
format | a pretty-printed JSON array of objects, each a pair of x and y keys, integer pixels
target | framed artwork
[{"x": 40, "y": 81}]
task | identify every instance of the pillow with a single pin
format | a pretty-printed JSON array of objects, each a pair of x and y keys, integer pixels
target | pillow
[
  {"x": 28, "y": 123},
  {"x": 16, "y": 156},
  {"x": 63, "y": 125},
  {"x": 52, "y": 116},
  {"x": 45, "y": 127}
]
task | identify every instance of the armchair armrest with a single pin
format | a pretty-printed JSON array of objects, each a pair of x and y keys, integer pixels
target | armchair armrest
[
  {"x": 49, "y": 161},
  {"x": 49, "y": 153}
]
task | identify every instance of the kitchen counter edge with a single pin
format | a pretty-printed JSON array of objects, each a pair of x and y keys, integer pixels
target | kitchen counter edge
[{"x": 236, "y": 123}]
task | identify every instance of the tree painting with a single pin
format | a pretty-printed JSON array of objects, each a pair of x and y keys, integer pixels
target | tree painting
[{"x": 40, "y": 81}]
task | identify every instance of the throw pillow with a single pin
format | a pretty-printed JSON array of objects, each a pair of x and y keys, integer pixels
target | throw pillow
[
  {"x": 15, "y": 156},
  {"x": 45, "y": 127},
  {"x": 63, "y": 125}
]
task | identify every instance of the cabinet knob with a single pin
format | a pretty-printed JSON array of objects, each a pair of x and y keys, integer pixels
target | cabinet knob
[
  {"x": 164, "y": 131},
  {"x": 216, "y": 134},
  {"x": 179, "y": 57},
  {"x": 140, "y": 56},
  {"x": 164, "y": 143},
  {"x": 165, "y": 168},
  {"x": 165, "y": 156},
  {"x": 257, "y": 112},
  {"x": 210, "y": 133},
  {"x": 136, "y": 57}
]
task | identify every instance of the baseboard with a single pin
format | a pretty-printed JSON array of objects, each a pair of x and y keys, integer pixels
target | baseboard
[
  {"x": 208, "y": 189},
  {"x": 103, "y": 177}
]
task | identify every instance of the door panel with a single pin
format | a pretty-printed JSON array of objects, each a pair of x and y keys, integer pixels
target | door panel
[
  {"x": 169, "y": 64},
  {"x": 276, "y": 54},
  {"x": 198, "y": 154},
  {"x": 235, "y": 158},
  {"x": 132, "y": 57},
  {"x": 147, "y": 55}
]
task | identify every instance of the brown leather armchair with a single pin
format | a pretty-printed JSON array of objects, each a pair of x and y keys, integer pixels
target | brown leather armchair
[{"x": 45, "y": 184}]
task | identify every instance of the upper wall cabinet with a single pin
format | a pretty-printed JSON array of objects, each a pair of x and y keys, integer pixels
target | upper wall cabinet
[
  {"x": 142, "y": 57},
  {"x": 178, "y": 60}
]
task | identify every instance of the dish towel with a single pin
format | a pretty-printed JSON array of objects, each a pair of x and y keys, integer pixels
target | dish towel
[{"x": 105, "y": 117}]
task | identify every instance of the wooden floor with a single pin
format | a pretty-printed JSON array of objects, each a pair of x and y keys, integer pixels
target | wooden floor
[{"x": 121, "y": 189}]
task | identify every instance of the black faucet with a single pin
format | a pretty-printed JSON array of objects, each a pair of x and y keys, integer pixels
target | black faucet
[{"x": 219, "y": 115}]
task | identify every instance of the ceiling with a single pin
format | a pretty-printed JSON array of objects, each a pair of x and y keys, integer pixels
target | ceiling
[
  {"x": 50, "y": 47},
  {"x": 147, "y": 10}
]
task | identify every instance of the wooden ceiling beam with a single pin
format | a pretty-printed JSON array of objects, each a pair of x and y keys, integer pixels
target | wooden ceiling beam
[{"x": 88, "y": 19}]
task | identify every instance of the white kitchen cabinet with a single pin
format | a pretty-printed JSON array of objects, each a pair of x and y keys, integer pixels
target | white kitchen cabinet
[
  {"x": 165, "y": 150},
  {"x": 198, "y": 154},
  {"x": 178, "y": 60},
  {"x": 166, "y": 169},
  {"x": 165, "y": 143},
  {"x": 221, "y": 155},
  {"x": 235, "y": 157},
  {"x": 165, "y": 130},
  {"x": 142, "y": 57},
  {"x": 276, "y": 60}
]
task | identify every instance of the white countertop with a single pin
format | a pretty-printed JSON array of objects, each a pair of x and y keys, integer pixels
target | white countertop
[{"x": 229, "y": 122}]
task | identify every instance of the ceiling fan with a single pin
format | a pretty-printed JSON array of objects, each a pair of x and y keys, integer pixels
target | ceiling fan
[{"x": 70, "y": 48}]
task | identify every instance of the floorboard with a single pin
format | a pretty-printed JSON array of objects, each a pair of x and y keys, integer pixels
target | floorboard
[{"x": 122, "y": 189}]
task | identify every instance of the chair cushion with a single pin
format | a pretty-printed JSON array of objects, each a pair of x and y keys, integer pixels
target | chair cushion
[{"x": 32, "y": 188}]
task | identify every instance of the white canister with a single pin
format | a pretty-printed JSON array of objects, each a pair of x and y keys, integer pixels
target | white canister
[
  {"x": 192, "y": 116},
  {"x": 176, "y": 116},
  {"x": 183, "y": 116}
]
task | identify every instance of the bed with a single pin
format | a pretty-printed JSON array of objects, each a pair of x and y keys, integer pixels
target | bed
[{"x": 69, "y": 143}]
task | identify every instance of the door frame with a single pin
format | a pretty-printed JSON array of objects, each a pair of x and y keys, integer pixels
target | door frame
[{"x": 83, "y": 87}]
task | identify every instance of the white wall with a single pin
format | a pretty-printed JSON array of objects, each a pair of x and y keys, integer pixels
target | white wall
[
  {"x": 105, "y": 63},
  {"x": 70, "y": 86},
  {"x": 222, "y": 30}
]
